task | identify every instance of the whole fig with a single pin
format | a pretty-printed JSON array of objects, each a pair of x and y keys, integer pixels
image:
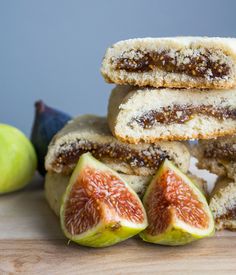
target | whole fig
[
  {"x": 18, "y": 159},
  {"x": 47, "y": 122}
]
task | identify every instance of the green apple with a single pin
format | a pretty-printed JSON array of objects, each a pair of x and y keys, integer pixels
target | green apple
[{"x": 18, "y": 159}]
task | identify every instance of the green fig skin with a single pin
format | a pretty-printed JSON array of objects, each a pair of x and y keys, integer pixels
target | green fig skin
[
  {"x": 108, "y": 231},
  {"x": 47, "y": 122},
  {"x": 18, "y": 159},
  {"x": 173, "y": 236},
  {"x": 177, "y": 233}
]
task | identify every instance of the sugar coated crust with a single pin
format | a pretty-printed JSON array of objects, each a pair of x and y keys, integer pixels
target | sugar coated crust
[
  {"x": 159, "y": 78},
  {"x": 127, "y": 104},
  {"x": 94, "y": 129}
]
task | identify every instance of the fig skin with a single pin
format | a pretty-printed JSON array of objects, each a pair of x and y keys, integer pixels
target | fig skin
[
  {"x": 47, "y": 122},
  {"x": 177, "y": 232},
  {"x": 111, "y": 228},
  {"x": 18, "y": 159}
]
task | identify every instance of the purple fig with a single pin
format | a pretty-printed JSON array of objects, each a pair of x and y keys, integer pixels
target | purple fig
[{"x": 47, "y": 123}]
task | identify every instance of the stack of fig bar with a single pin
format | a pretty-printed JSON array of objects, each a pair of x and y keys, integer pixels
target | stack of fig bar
[
  {"x": 169, "y": 90},
  {"x": 178, "y": 89}
]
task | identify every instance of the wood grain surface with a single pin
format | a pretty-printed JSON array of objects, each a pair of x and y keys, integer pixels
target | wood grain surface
[{"x": 31, "y": 242}]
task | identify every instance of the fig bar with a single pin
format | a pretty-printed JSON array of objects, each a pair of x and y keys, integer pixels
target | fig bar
[
  {"x": 216, "y": 155},
  {"x": 150, "y": 115},
  {"x": 223, "y": 204},
  {"x": 183, "y": 62},
  {"x": 91, "y": 134}
]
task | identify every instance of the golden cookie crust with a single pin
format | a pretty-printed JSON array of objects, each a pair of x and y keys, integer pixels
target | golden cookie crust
[{"x": 158, "y": 78}]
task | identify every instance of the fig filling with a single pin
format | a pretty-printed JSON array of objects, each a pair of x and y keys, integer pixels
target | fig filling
[
  {"x": 151, "y": 157},
  {"x": 229, "y": 215},
  {"x": 181, "y": 114},
  {"x": 221, "y": 151},
  {"x": 95, "y": 190},
  {"x": 171, "y": 196},
  {"x": 199, "y": 63}
]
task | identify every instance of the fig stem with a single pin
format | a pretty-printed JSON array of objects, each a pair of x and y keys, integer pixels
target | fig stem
[{"x": 40, "y": 106}]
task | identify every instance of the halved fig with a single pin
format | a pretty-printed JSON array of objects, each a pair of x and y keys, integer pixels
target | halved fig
[
  {"x": 98, "y": 208},
  {"x": 177, "y": 210}
]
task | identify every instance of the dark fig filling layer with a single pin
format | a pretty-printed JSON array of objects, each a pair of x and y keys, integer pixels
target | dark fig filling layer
[
  {"x": 197, "y": 64},
  {"x": 181, "y": 114},
  {"x": 221, "y": 151},
  {"x": 229, "y": 215},
  {"x": 151, "y": 157}
]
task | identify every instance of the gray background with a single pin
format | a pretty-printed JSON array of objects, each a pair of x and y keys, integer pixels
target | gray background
[{"x": 52, "y": 50}]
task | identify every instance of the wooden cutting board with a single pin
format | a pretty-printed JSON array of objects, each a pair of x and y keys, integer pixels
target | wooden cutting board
[{"x": 31, "y": 242}]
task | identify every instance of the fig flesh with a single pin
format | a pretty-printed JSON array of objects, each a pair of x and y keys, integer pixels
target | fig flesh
[
  {"x": 177, "y": 210},
  {"x": 98, "y": 208},
  {"x": 47, "y": 123},
  {"x": 55, "y": 186}
]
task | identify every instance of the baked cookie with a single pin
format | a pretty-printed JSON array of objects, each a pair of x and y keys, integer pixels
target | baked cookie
[
  {"x": 223, "y": 204},
  {"x": 149, "y": 115},
  {"x": 174, "y": 62},
  {"x": 91, "y": 133},
  {"x": 216, "y": 155}
]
